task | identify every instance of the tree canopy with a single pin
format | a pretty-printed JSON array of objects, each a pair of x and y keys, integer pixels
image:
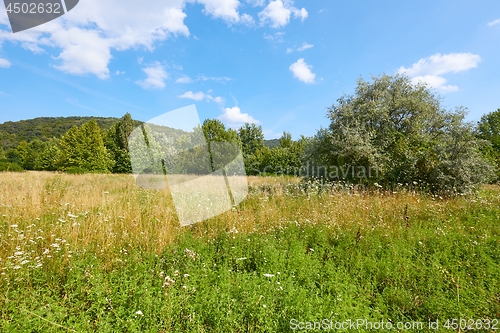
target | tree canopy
[{"x": 391, "y": 132}]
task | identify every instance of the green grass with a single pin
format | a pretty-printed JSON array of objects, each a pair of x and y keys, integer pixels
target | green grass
[{"x": 442, "y": 262}]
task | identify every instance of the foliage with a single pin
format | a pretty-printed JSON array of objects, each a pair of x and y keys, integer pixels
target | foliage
[
  {"x": 488, "y": 129},
  {"x": 10, "y": 167},
  {"x": 45, "y": 128},
  {"x": 252, "y": 143},
  {"x": 393, "y": 132},
  {"x": 84, "y": 148},
  {"x": 116, "y": 142},
  {"x": 49, "y": 157},
  {"x": 285, "y": 159},
  {"x": 91, "y": 253}
]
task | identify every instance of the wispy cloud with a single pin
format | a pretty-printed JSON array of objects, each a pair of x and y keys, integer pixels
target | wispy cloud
[
  {"x": 75, "y": 103},
  {"x": 305, "y": 46},
  {"x": 4, "y": 63},
  {"x": 303, "y": 71},
  {"x": 276, "y": 37},
  {"x": 494, "y": 23},
  {"x": 184, "y": 79},
  {"x": 156, "y": 77},
  {"x": 199, "y": 96},
  {"x": 430, "y": 70}
]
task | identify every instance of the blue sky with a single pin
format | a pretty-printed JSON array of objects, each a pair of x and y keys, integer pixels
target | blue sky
[{"x": 278, "y": 63}]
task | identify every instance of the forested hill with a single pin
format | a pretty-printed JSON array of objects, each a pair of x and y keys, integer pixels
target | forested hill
[{"x": 45, "y": 128}]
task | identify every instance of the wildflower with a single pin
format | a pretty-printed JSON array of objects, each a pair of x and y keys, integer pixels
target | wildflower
[
  {"x": 168, "y": 282},
  {"x": 139, "y": 313},
  {"x": 190, "y": 253},
  {"x": 13, "y": 226},
  {"x": 269, "y": 275}
]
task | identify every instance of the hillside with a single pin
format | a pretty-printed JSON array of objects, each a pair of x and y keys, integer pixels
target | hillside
[{"x": 46, "y": 128}]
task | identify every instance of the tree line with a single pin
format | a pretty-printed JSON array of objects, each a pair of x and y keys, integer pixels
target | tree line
[{"x": 389, "y": 133}]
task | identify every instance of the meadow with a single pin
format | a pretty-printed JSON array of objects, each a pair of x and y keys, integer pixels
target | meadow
[{"x": 92, "y": 252}]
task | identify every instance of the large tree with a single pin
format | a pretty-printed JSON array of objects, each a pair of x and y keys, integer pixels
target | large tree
[
  {"x": 116, "y": 142},
  {"x": 84, "y": 148},
  {"x": 488, "y": 128},
  {"x": 393, "y": 132},
  {"x": 252, "y": 142}
]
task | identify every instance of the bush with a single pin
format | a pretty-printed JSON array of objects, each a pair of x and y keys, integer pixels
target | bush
[
  {"x": 400, "y": 130},
  {"x": 10, "y": 167},
  {"x": 75, "y": 170}
]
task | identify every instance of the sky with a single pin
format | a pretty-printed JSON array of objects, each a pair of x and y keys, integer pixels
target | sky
[{"x": 276, "y": 63}]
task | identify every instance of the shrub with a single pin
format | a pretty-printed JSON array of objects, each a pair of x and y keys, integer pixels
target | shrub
[{"x": 10, "y": 167}]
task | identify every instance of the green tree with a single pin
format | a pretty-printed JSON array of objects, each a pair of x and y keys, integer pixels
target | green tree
[
  {"x": 488, "y": 128},
  {"x": 252, "y": 144},
  {"x": 84, "y": 148},
  {"x": 48, "y": 159},
  {"x": 116, "y": 142},
  {"x": 285, "y": 158},
  {"x": 223, "y": 145},
  {"x": 393, "y": 132}
]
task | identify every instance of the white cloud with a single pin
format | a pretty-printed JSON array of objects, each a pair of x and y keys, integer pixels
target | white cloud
[
  {"x": 305, "y": 46},
  {"x": 225, "y": 9},
  {"x": 119, "y": 72},
  {"x": 434, "y": 81},
  {"x": 302, "y": 71},
  {"x": 84, "y": 52},
  {"x": 234, "y": 118},
  {"x": 199, "y": 96},
  {"x": 247, "y": 19},
  {"x": 184, "y": 79},
  {"x": 494, "y": 23},
  {"x": 156, "y": 76},
  {"x": 299, "y": 13},
  {"x": 430, "y": 70},
  {"x": 85, "y": 38},
  {"x": 187, "y": 79},
  {"x": 276, "y": 37},
  {"x": 277, "y": 13},
  {"x": 4, "y": 63},
  {"x": 257, "y": 3},
  {"x": 221, "y": 79},
  {"x": 438, "y": 64},
  {"x": 289, "y": 50}
]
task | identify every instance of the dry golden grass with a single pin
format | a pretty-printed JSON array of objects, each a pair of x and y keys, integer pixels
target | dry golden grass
[{"x": 109, "y": 212}]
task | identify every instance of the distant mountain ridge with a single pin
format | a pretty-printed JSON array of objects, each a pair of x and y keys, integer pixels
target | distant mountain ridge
[{"x": 46, "y": 128}]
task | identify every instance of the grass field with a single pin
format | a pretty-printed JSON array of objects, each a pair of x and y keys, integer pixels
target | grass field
[{"x": 85, "y": 253}]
